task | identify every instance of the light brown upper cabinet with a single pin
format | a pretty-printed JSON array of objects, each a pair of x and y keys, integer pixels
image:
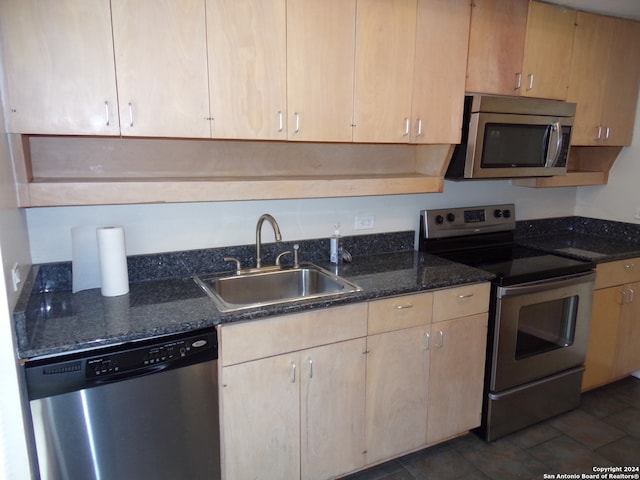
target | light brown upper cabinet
[
  {"x": 496, "y": 46},
  {"x": 623, "y": 80},
  {"x": 439, "y": 70},
  {"x": 58, "y": 67},
  {"x": 547, "y": 51},
  {"x": 605, "y": 74},
  {"x": 520, "y": 48},
  {"x": 247, "y": 48},
  {"x": 320, "y": 59},
  {"x": 161, "y": 62},
  {"x": 385, "y": 46}
]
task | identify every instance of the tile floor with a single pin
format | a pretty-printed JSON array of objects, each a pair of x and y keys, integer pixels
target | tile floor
[{"x": 604, "y": 431}]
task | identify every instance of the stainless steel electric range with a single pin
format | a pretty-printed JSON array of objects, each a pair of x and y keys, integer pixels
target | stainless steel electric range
[{"x": 539, "y": 315}]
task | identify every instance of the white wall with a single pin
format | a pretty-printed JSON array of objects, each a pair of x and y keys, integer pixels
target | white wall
[
  {"x": 169, "y": 227},
  {"x": 13, "y": 249},
  {"x": 620, "y": 199}
]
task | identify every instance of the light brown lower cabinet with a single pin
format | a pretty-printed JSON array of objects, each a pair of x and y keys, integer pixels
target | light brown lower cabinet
[
  {"x": 614, "y": 339},
  {"x": 324, "y": 393},
  {"x": 456, "y": 376}
]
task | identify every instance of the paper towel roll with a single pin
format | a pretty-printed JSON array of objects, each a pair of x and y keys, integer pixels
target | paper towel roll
[{"x": 113, "y": 261}]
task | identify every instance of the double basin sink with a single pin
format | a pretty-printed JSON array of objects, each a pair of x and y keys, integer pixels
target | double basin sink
[{"x": 272, "y": 286}]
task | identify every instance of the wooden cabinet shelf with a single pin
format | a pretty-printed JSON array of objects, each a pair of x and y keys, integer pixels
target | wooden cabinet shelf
[
  {"x": 587, "y": 166},
  {"x": 58, "y": 171}
]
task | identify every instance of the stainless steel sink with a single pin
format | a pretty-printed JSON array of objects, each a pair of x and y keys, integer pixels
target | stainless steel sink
[{"x": 270, "y": 287}]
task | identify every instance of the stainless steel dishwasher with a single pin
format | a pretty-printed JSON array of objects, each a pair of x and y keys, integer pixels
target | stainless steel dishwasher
[{"x": 140, "y": 410}]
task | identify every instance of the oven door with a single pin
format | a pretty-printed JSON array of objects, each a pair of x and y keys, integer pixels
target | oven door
[{"x": 541, "y": 328}]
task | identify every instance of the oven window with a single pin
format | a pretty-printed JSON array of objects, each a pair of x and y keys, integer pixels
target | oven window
[{"x": 546, "y": 326}]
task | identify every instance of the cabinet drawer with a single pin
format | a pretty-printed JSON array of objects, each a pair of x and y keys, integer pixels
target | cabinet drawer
[
  {"x": 460, "y": 301},
  {"x": 242, "y": 342},
  {"x": 618, "y": 272},
  {"x": 399, "y": 312}
]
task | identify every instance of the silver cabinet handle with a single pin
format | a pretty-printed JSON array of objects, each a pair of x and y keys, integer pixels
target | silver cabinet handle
[
  {"x": 632, "y": 295},
  {"x": 310, "y": 368},
  {"x": 293, "y": 372},
  {"x": 106, "y": 110},
  {"x": 440, "y": 339},
  {"x": 465, "y": 295},
  {"x": 599, "y": 135},
  {"x": 297, "y": 116},
  {"x": 607, "y": 133},
  {"x": 630, "y": 266},
  {"x": 407, "y": 125},
  {"x": 280, "y": 121},
  {"x": 427, "y": 346},
  {"x": 530, "y": 77},
  {"x": 518, "y": 81},
  {"x": 130, "y": 114},
  {"x": 419, "y": 134},
  {"x": 404, "y": 307}
]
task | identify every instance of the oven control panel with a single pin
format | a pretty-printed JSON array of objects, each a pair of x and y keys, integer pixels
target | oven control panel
[{"x": 452, "y": 222}]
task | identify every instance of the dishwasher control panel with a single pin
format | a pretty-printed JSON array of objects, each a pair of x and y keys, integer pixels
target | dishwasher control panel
[
  {"x": 91, "y": 368},
  {"x": 157, "y": 355}
]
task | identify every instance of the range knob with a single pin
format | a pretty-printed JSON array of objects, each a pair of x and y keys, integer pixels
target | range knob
[
  {"x": 497, "y": 213},
  {"x": 439, "y": 219},
  {"x": 450, "y": 217},
  {"x": 506, "y": 213}
]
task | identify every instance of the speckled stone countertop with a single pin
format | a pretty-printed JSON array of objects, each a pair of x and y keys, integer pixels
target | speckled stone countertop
[
  {"x": 50, "y": 320},
  {"x": 582, "y": 238}
]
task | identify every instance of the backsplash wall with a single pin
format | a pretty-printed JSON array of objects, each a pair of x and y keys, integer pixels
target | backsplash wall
[{"x": 159, "y": 228}]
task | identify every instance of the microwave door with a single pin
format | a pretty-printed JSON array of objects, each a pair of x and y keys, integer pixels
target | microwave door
[{"x": 512, "y": 145}]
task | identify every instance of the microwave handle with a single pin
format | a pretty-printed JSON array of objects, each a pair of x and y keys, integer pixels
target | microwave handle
[{"x": 553, "y": 157}]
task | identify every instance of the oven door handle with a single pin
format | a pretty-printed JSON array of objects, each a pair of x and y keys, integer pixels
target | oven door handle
[{"x": 542, "y": 285}]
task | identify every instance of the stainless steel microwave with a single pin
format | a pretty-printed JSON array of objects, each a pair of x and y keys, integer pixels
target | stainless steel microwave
[{"x": 507, "y": 137}]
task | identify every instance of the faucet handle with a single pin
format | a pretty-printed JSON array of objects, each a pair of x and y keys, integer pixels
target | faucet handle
[
  {"x": 280, "y": 255},
  {"x": 296, "y": 256},
  {"x": 237, "y": 262}
]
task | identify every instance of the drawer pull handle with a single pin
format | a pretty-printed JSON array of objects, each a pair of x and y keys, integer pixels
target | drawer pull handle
[
  {"x": 404, "y": 307},
  {"x": 630, "y": 266},
  {"x": 465, "y": 295}
]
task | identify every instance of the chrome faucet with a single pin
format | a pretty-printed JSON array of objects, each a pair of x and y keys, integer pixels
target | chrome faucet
[{"x": 276, "y": 231}]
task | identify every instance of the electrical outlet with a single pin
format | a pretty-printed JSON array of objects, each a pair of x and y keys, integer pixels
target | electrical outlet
[
  {"x": 15, "y": 277},
  {"x": 364, "y": 222}
]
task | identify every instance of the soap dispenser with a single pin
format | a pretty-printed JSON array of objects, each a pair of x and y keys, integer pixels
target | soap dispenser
[{"x": 335, "y": 255}]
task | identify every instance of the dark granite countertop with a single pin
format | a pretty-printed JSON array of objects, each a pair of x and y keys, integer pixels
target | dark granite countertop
[
  {"x": 56, "y": 322},
  {"x": 582, "y": 238}
]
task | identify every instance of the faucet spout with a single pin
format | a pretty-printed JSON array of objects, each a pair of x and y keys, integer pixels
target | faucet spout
[{"x": 276, "y": 231}]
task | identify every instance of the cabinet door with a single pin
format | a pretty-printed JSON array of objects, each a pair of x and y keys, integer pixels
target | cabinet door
[
  {"x": 161, "y": 60},
  {"x": 587, "y": 83},
  {"x": 320, "y": 39},
  {"x": 58, "y": 64},
  {"x": 385, "y": 45},
  {"x": 547, "y": 51},
  {"x": 438, "y": 93},
  {"x": 261, "y": 419},
  {"x": 623, "y": 80},
  {"x": 628, "y": 355},
  {"x": 603, "y": 337},
  {"x": 496, "y": 46},
  {"x": 332, "y": 409},
  {"x": 397, "y": 384},
  {"x": 456, "y": 376},
  {"x": 247, "y": 68}
]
